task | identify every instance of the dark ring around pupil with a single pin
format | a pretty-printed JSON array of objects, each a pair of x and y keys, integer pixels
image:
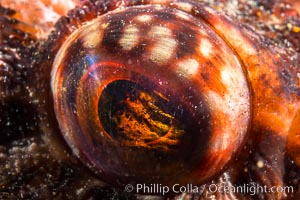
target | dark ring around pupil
[{"x": 143, "y": 117}]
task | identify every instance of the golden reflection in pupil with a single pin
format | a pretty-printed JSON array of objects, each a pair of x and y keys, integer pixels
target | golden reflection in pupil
[{"x": 140, "y": 120}]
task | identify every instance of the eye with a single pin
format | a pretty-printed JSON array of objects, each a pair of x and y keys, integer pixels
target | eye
[{"x": 150, "y": 94}]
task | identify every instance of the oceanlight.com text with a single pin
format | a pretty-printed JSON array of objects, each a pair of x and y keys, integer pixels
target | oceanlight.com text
[{"x": 247, "y": 189}]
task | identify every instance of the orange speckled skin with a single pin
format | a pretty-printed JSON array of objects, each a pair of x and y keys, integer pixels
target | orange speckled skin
[{"x": 36, "y": 160}]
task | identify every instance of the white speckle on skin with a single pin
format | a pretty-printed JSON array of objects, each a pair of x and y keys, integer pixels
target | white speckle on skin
[
  {"x": 144, "y": 18},
  {"x": 185, "y": 6},
  {"x": 164, "y": 46},
  {"x": 236, "y": 86},
  {"x": 157, "y": 4},
  {"x": 93, "y": 35},
  {"x": 188, "y": 67},
  {"x": 183, "y": 15},
  {"x": 130, "y": 37},
  {"x": 234, "y": 35},
  {"x": 216, "y": 101},
  {"x": 209, "y": 10},
  {"x": 232, "y": 102},
  {"x": 205, "y": 47}
]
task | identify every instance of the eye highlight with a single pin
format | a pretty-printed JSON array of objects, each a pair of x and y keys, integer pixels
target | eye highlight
[{"x": 166, "y": 101}]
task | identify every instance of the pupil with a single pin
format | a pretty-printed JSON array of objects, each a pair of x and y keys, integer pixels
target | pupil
[
  {"x": 136, "y": 116},
  {"x": 152, "y": 125}
]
